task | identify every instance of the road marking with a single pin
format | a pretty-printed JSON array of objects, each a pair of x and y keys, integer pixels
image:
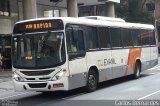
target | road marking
[
  {"x": 149, "y": 95},
  {"x": 14, "y": 95},
  {"x": 154, "y": 68},
  {"x": 153, "y": 73}
]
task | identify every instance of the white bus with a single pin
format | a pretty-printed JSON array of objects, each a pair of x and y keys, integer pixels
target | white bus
[{"x": 61, "y": 54}]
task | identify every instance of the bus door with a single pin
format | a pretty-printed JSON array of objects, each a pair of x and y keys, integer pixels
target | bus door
[{"x": 76, "y": 56}]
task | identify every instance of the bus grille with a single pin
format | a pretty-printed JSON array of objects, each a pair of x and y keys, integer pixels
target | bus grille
[
  {"x": 39, "y": 85},
  {"x": 37, "y": 73}
]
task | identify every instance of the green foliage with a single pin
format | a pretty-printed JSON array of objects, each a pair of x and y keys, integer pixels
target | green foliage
[{"x": 132, "y": 11}]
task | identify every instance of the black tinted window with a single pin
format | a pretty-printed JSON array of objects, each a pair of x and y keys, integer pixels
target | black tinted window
[
  {"x": 152, "y": 38},
  {"x": 144, "y": 37},
  {"x": 75, "y": 41},
  {"x": 126, "y": 37},
  {"x": 91, "y": 38},
  {"x": 104, "y": 37},
  {"x": 115, "y": 34},
  {"x": 136, "y": 37}
]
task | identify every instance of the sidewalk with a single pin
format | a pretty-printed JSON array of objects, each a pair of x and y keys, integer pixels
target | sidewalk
[
  {"x": 6, "y": 83},
  {"x": 6, "y": 73}
]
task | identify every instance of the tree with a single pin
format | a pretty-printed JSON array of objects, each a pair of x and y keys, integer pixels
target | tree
[{"x": 133, "y": 11}]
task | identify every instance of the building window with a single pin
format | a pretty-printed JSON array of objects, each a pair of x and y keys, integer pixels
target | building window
[
  {"x": 4, "y": 8},
  {"x": 48, "y": 13},
  {"x": 100, "y": 10},
  {"x": 86, "y": 11}
]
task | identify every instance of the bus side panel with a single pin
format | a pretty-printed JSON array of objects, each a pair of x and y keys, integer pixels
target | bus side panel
[
  {"x": 129, "y": 55},
  {"x": 124, "y": 61},
  {"x": 101, "y": 59},
  {"x": 154, "y": 56},
  {"x": 133, "y": 55},
  {"x": 119, "y": 62},
  {"x": 78, "y": 71},
  {"x": 145, "y": 58}
]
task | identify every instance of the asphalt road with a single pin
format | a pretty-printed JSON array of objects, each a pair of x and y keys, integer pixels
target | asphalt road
[{"x": 108, "y": 93}]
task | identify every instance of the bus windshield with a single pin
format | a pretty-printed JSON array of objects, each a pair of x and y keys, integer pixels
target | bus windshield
[{"x": 38, "y": 50}]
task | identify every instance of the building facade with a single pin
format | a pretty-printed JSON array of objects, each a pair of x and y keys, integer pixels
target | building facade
[
  {"x": 12, "y": 11},
  {"x": 8, "y": 17}
]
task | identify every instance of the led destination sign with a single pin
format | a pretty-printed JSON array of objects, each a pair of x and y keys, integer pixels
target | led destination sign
[{"x": 38, "y": 26}]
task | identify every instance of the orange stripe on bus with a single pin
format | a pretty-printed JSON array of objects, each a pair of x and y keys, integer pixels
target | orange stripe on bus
[{"x": 133, "y": 55}]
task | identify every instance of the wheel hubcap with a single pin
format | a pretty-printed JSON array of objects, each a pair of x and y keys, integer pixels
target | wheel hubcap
[{"x": 92, "y": 81}]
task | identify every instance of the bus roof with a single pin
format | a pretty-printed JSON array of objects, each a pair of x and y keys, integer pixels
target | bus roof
[{"x": 100, "y": 21}]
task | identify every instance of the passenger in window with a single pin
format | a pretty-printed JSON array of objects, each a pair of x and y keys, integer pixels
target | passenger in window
[
  {"x": 73, "y": 47},
  {"x": 46, "y": 50},
  {"x": 90, "y": 45}
]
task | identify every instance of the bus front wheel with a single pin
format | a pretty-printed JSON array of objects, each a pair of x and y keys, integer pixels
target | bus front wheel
[{"x": 92, "y": 81}]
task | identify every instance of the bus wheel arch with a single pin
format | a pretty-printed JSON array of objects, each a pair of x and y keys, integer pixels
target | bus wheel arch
[
  {"x": 92, "y": 79},
  {"x": 137, "y": 69}
]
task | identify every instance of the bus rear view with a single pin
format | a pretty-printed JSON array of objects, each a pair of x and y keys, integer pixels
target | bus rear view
[{"x": 38, "y": 56}]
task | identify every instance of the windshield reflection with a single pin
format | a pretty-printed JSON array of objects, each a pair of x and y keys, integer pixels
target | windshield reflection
[{"x": 38, "y": 50}]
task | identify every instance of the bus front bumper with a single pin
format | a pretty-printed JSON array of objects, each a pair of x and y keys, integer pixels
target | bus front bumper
[{"x": 58, "y": 85}]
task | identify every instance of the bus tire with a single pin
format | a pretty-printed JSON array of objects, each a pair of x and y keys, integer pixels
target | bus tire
[
  {"x": 137, "y": 71},
  {"x": 92, "y": 81}
]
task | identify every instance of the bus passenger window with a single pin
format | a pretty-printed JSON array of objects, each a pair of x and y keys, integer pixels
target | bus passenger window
[
  {"x": 115, "y": 34},
  {"x": 75, "y": 42},
  {"x": 144, "y": 37},
  {"x": 104, "y": 37},
  {"x": 91, "y": 38},
  {"x": 126, "y": 37},
  {"x": 136, "y": 37},
  {"x": 152, "y": 38}
]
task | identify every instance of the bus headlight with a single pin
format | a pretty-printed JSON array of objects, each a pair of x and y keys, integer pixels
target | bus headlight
[
  {"x": 17, "y": 77},
  {"x": 59, "y": 75}
]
